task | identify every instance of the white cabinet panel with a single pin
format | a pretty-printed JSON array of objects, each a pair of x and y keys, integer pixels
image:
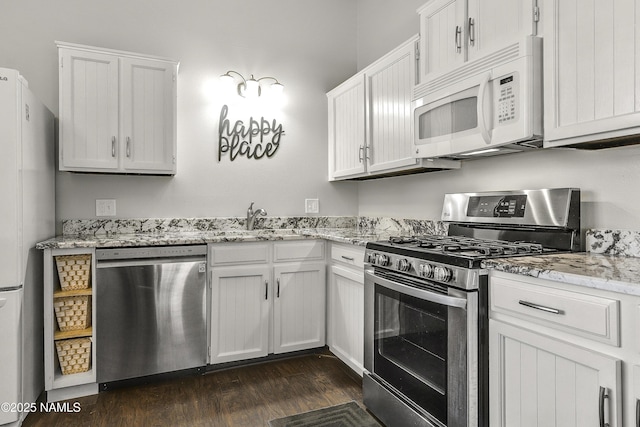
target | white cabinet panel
[
  {"x": 299, "y": 307},
  {"x": 389, "y": 118},
  {"x": 543, "y": 382},
  {"x": 442, "y": 33},
  {"x": 346, "y": 316},
  {"x": 592, "y": 82},
  {"x": 346, "y": 129},
  {"x": 88, "y": 110},
  {"x": 240, "y": 313},
  {"x": 148, "y": 95}
]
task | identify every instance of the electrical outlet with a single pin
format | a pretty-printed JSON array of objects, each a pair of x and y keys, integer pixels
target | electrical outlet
[
  {"x": 311, "y": 206},
  {"x": 105, "y": 207}
]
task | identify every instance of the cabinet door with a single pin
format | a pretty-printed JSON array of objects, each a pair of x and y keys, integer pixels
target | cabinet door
[
  {"x": 591, "y": 70},
  {"x": 346, "y": 316},
  {"x": 442, "y": 34},
  {"x": 148, "y": 115},
  {"x": 240, "y": 306},
  {"x": 346, "y": 129},
  {"x": 539, "y": 381},
  {"x": 88, "y": 110},
  {"x": 299, "y": 307},
  {"x": 488, "y": 30},
  {"x": 389, "y": 119}
]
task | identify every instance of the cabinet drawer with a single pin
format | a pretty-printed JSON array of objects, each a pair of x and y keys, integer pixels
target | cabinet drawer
[
  {"x": 301, "y": 250},
  {"x": 238, "y": 253},
  {"x": 589, "y": 316},
  {"x": 352, "y": 255}
]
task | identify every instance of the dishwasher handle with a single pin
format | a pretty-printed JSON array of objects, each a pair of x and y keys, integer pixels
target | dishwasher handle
[{"x": 148, "y": 261}]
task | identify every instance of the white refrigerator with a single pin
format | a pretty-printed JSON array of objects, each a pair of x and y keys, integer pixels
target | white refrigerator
[{"x": 27, "y": 215}]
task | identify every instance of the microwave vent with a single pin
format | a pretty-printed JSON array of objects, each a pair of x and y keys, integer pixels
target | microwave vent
[{"x": 472, "y": 68}]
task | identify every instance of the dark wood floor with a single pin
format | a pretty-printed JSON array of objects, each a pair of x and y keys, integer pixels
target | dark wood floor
[{"x": 244, "y": 396}]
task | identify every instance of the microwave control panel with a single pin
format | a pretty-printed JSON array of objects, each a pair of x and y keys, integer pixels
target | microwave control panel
[{"x": 506, "y": 94}]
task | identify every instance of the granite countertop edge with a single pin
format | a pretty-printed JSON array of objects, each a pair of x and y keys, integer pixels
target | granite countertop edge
[
  {"x": 597, "y": 271},
  {"x": 341, "y": 235}
]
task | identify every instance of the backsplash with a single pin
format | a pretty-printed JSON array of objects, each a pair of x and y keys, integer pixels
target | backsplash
[
  {"x": 613, "y": 242},
  {"x": 97, "y": 227},
  {"x": 405, "y": 227},
  {"x": 365, "y": 225}
]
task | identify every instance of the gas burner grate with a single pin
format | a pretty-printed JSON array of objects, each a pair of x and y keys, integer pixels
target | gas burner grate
[{"x": 466, "y": 246}]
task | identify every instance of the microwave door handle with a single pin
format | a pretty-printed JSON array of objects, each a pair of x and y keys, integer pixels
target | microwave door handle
[
  {"x": 482, "y": 126},
  {"x": 417, "y": 292}
]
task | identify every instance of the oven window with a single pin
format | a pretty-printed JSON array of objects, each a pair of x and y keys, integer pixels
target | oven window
[
  {"x": 411, "y": 348},
  {"x": 447, "y": 119}
]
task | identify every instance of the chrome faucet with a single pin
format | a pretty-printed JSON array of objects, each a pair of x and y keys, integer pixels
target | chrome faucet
[{"x": 251, "y": 216}]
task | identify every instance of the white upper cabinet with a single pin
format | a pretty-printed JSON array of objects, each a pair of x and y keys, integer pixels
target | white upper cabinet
[
  {"x": 389, "y": 119},
  {"x": 371, "y": 121},
  {"x": 591, "y": 70},
  {"x": 455, "y": 31},
  {"x": 117, "y": 111},
  {"x": 346, "y": 129}
]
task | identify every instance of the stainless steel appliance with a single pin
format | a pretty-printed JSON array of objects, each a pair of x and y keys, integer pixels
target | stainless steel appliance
[
  {"x": 426, "y": 302},
  {"x": 151, "y": 311},
  {"x": 483, "y": 107}
]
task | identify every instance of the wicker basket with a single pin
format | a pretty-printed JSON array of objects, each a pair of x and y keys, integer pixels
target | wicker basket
[
  {"x": 74, "y": 271},
  {"x": 73, "y": 313},
  {"x": 74, "y": 355}
]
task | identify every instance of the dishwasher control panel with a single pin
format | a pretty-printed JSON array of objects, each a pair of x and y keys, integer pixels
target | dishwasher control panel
[{"x": 150, "y": 252}]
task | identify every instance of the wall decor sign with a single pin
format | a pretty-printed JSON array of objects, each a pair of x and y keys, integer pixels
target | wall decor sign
[{"x": 254, "y": 139}]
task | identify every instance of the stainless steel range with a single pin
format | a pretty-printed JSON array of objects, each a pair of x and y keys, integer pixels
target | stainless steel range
[{"x": 426, "y": 303}]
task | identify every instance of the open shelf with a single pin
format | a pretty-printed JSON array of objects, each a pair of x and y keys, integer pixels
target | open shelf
[
  {"x": 76, "y": 292},
  {"x": 63, "y": 335}
]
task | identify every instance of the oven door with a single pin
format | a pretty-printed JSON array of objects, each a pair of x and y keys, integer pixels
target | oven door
[{"x": 421, "y": 347}]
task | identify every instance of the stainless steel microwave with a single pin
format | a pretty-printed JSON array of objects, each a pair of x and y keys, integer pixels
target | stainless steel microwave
[{"x": 487, "y": 106}]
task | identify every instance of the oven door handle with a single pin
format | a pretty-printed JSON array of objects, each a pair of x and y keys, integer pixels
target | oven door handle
[{"x": 416, "y": 292}]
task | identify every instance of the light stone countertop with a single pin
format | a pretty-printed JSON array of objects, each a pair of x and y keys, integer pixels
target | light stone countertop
[
  {"x": 342, "y": 235},
  {"x": 606, "y": 272}
]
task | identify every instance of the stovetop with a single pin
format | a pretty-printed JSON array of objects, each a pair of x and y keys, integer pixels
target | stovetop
[{"x": 444, "y": 258}]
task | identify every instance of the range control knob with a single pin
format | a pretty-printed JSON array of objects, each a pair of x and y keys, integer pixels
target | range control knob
[
  {"x": 403, "y": 264},
  {"x": 382, "y": 260},
  {"x": 370, "y": 257},
  {"x": 442, "y": 274},
  {"x": 425, "y": 270}
]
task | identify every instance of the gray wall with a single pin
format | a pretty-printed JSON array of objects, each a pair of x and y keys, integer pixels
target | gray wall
[
  {"x": 608, "y": 178},
  {"x": 309, "y": 45}
]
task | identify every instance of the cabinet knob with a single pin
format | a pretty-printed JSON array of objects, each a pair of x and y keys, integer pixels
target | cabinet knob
[{"x": 113, "y": 146}]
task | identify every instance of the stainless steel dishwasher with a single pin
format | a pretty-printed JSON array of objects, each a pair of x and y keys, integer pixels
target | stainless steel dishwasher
[{"x": 151, "y": 311}]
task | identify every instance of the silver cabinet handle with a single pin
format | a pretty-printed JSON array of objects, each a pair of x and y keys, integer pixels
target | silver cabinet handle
[
  {"x": 361, "y": 153},
  {"x": 603, "y": 395},
  {"x": 128, "y": 147},
  {"x": 348, "y": 258},
  {"x": 278, "y": 288},
  {"x": 266, "y": 290},
  {"x": 458, "y": 39},
  {"x": 113, "y": 146},
  {"x": 540, "y": 307},
  {"x": 472, "y": 31},
  {"x": 367, "y": 148}
]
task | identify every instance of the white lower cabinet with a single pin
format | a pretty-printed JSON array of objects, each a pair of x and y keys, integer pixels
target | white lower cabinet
[
  {"x": 266, "y": 298},
  {"x": 299, "y": 306},
  {"x": 562, "y": 355},
  {"x": 346, "y": 305},
  {"x": 541, "y": 381},
  {"x": 240, "y": 313}
]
